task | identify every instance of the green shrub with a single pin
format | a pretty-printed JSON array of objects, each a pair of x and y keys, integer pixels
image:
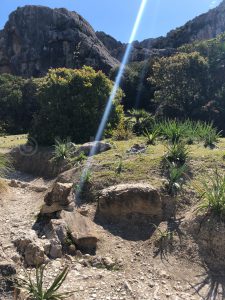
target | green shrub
[
  {"x": 212, "y": 193},
  {"x": 35, "y": 287},
  {"x": 18, "y": 103},
  {"x": 72, "y": 103},
  {"x": 122, "y": 132}
]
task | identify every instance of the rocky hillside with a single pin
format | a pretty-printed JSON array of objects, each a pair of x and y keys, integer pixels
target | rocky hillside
[{"x": 36, "y": 38}]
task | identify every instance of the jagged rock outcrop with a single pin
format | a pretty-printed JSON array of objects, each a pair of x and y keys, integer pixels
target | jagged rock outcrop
[{"x": 36, "y": 38}]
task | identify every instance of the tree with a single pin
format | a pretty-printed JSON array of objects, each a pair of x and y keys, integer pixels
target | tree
[
  {"x": 72, "y": 103},
  {"x": 182, "y": 83},
  {"x": 138, "y": 91},
  {"x": 18, "y": 103}
]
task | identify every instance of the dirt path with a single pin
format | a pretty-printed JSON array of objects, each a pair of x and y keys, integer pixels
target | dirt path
[{"x": 140, "y": 276}]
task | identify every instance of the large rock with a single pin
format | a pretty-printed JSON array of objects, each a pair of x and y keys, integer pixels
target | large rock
[
  {"x": 37, "y": 38},
  {"x": 31, "y": 248},
  {"x": 59, "y": 198},
  {"x": 82, "y": 230},
  {"x": 125, "y": 201},
  {"x": 98, "y": 147}
]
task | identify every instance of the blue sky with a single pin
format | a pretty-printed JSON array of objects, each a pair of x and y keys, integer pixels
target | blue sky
[{"x": 116, "y": 17}]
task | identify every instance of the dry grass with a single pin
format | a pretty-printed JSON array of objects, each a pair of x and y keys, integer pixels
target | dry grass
[{"x": 12, "y": 141}]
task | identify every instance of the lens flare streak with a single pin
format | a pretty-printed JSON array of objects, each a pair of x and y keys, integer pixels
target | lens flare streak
[{"x": 114, "y": 91}]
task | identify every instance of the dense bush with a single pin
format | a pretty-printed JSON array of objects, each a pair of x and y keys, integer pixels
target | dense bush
[
  {"x": 72, "y": 103},
  {"x": 18, "y": 103},
  {"x": 182, "y": 84}
]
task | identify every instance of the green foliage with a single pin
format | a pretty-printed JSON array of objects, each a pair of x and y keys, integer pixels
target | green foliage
[
  {"x": 140, "y": 120},
  {"x": 18, "y": 103},
  {"x": 35, "y": 287},
  {"x": 188, "y": 132},
  {"x": 122, "y": 132},
  {"x": 72, "y": 104},
  {"x": 212, "y": 193},
  {"x": 81, "y": 157},
  {"x": 181, "y": 84},
  {"x": 172, "y": 130},
  {"x": 176, "y": 174},
  {"x": 177, "y": 153},
  {"x": 62, "y": 150},
  {"x": 87, "y": 177},
  {"x": 208, "y": 134},
  {"x": 138, "y": 91},
  {"x": 152, "y": 136}
]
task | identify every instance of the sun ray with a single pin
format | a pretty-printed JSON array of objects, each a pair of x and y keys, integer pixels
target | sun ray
[{"x": 115, "y": 88}]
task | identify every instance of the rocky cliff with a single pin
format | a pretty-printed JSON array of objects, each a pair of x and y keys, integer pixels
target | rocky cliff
[{"x": 36, "y": 38}]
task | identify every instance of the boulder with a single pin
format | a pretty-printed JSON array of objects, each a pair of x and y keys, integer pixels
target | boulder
[
  {"x": 99, "y": 147},
  {"x": 31, "y": 248},
  {"x": 124, "y": 201},
  {"x": 82, "y": 230},
  {"x": 59, "y": 198}
]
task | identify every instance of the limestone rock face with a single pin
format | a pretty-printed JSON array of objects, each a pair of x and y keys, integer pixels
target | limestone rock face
[
  {"x": 126, "y": 200},
  {"x": 36, "y": 38}
]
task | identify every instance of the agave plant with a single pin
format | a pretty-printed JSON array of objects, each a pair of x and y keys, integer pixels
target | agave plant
[{"x": 35, "y": 290}]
